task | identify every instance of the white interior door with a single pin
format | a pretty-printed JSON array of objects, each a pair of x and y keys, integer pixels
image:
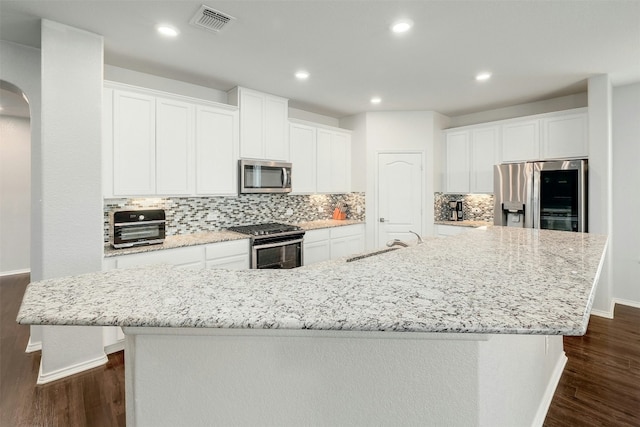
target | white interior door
[{"x": 400, "y": 196}]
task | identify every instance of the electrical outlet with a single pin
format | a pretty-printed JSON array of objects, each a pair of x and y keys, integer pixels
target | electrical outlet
[
  {"x": 475, "y": 210},
  {"x": 289, "y": 212},
  {"x": 359, "y": 209},
  {"x": 320, "y": 209}
]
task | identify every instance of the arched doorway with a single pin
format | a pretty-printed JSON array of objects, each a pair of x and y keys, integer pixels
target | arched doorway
[{"x": 15, "y": 180}]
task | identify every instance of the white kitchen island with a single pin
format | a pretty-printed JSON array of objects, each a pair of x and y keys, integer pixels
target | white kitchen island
[{"x": 460, "y": 331}]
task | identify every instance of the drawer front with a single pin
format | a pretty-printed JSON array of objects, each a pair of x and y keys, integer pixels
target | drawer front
[
  {"x": 227, "y": 249},
  {"x": 312, "y": 236},
  {"x": 347, "y": 230}
]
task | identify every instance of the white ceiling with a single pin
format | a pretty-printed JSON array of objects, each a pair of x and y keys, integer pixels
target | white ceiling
[{"x": 535, "y": 49}]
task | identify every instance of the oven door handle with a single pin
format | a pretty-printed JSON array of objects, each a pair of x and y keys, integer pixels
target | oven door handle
[
  {"x": 285, "y": 178},
  {"x": 273, "y": 245},
  {"x": 157, "y": 221}
]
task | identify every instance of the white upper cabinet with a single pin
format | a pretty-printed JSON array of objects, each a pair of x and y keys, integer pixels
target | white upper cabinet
[
  {"x": 485, "y": 153},
  {"x": 134, "y": 143},
  {"x": 216, "y": 150},
  {"x": 333, "y": 161},
  {"x": 521, "y": 141},
  {"x": 565, "y": 136},
  {"x": 264, "y": 128},
  {"x": 471, "y": 155},
  {"x": 174, "y": 147},
  {"x": 302, "y": 140},
  {"x": 159, "y": 144},
  {"x": 457, "y": 152}
]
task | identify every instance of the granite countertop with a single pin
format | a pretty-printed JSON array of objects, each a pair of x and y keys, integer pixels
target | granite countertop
[
  {"x": 465, "y": 223},
  {"x": 514, "y": 281},
  {"x": 182, "y": 240}
]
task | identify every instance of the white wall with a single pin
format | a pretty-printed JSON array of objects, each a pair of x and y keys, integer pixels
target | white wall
[
  {"x": 15, "y": 194},
  {"x": 600, "y": 200},
  {"x": 626, "y": 196},
  {"x": 545, "y": 106},
  {"x": 21, "y": 67},
  {"x": 136, "y": 78},
  {"x": 72, "y": 233}
]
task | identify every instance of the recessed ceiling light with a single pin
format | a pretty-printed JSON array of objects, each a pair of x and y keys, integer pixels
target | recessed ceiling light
[
  {"x": 302, "y": 75},
  {"x": 401, "y": 26},
  {"x": 167, "y": 30},
  {"x": 483, "y": 76},
  {"x": 376, "y": 100}
]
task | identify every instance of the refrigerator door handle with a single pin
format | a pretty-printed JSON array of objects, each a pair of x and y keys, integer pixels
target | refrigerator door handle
[{"x": 535, "y": 197}]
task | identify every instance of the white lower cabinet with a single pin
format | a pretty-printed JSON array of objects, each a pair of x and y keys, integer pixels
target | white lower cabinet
[
  {"x": 189, "y": 257},
  {"x": 347, "y": 240},
  {"x": 232, "y": 255},
  {"x": 317, "y": 246}
]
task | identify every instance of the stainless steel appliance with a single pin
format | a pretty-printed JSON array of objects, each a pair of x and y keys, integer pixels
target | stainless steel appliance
[
  {"x": 137, "y": 227},
  {"x": 549, "y": 195},
  {"x": 274, "y": 245},
  {"x": 258, "y": 176}
]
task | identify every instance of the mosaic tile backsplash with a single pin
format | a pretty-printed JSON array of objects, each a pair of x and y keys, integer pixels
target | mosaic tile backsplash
[
  {"x": 187, "y": 215},
  {"x": 475, "y": 207}
]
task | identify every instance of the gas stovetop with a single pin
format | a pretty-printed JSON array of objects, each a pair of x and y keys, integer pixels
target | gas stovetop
[{"x": 267, "y": 229}]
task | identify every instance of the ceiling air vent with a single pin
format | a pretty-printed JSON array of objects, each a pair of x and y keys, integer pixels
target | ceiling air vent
[{"x": 211, "y": 19}]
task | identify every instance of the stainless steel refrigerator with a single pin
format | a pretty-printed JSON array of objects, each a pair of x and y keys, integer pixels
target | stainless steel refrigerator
[{"x": 550, "y": 195}]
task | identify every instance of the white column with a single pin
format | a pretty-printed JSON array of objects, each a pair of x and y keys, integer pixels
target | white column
[
  {"x": 600, "y": 182},
  {"x": 71, "y": 76}
]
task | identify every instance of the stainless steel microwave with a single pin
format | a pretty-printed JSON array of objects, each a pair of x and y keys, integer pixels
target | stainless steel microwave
[{"x": 260, "y": 176}]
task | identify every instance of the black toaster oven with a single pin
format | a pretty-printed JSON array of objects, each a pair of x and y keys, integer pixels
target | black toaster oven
[{"x": 138, "y": 227}]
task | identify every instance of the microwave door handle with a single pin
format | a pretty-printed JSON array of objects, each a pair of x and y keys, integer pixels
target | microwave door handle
[{"x": 285, "y": 178}]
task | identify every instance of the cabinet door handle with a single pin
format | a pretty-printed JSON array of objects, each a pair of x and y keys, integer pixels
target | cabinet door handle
[{"x": 381, "y": 219}]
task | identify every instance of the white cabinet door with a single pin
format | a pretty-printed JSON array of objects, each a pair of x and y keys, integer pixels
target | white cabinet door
[
  {"x": 457, "y": 152},
  {"x": 565, "y": 136},
  {"x": 333, "y": 161},
  {"x": 317, "y": 247},
  {"x": 521, "y": 141},
  {"x": 484, "y": 155},
  {"x": 264, "y": 128},
  {"x": 303, "y": 158},
  {"x": 189, "y": 257},
  {"x": 341, "y": 164},
  {"x": 251, "y": 124},
  {"x": 174, "y": 147},
  {"x": 134, "y": 144},
  {"x": 233, "y": 255},
  {"x": 216, "y": 150},
  {"x": 276, "y": 129},
  {"x": 347, "y": 240},
  {"x": 324, "y": 161}
]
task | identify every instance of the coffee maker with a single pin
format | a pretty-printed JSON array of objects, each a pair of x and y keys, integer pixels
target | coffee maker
[{"x": 455, "y": 211}]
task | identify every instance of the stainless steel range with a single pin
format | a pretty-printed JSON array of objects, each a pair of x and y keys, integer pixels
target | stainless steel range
[{"x": 274, "y": 245}]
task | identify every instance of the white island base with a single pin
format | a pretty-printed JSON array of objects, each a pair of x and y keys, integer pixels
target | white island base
[{"x": 249, "y": 377}]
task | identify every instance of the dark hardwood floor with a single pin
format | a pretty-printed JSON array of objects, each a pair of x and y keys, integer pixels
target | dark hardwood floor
[
  {"x": 92, "y": 398},
  {"x": 600, "y": 385}
]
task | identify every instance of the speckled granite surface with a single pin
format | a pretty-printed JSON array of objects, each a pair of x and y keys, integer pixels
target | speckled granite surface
[
  {"x": 519, "y": 281},
  {"x": 326, "y": 223},
  {"x": 178, "y": 241},
  {"x": 464, "y": 223}
]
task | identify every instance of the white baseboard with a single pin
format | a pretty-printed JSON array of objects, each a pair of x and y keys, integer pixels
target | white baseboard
[
  {"x": 614, "y": 301},
  {"x": 13, "y": 272},
  {"x": 541, "y": 414},
  {"x": 70, "y": 370},
  {"x": 115, "y": 347},
  {"x": 627, "y": 302},
  {"x": 33, "y": 346}
]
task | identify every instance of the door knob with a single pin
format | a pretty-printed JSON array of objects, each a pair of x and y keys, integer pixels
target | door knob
[{"x": 381, "y": 219}]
